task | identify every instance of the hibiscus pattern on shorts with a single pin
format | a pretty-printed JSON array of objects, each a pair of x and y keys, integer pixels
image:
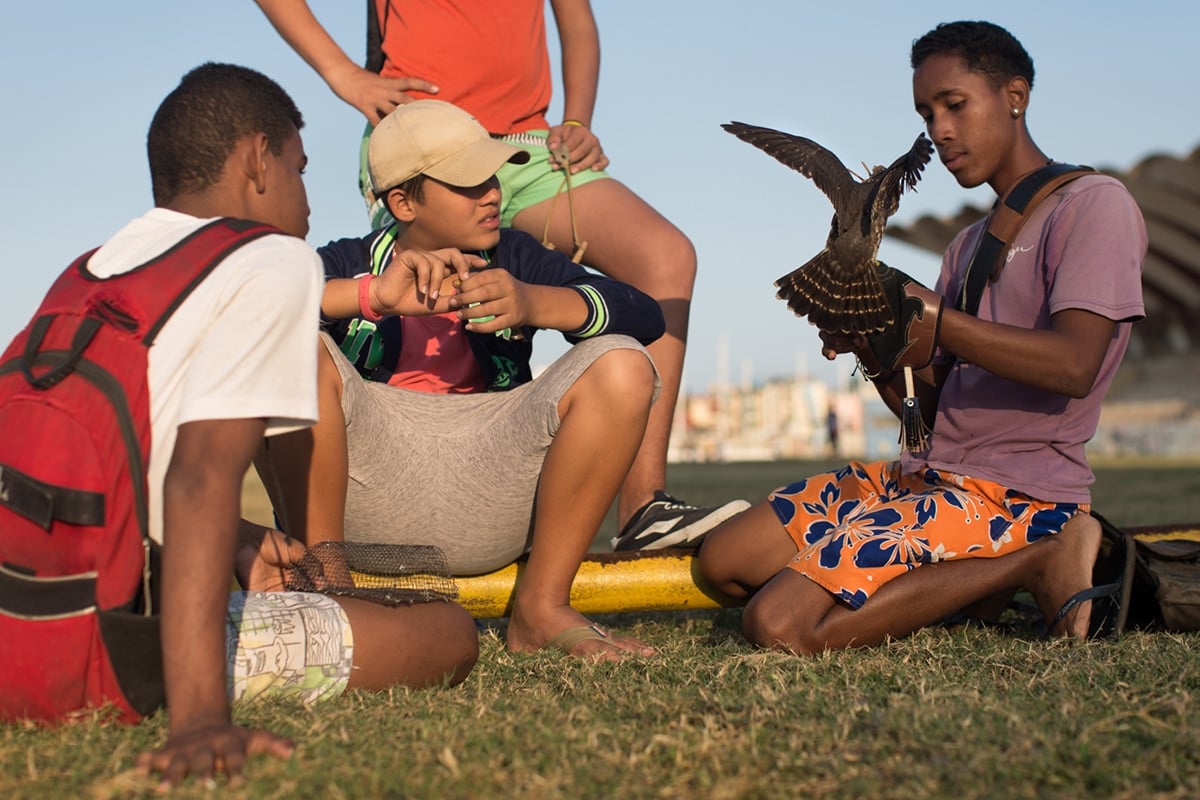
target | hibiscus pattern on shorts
[{"x": 860, "y": 526}]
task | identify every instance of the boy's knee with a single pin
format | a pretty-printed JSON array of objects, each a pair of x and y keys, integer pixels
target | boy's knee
[
  {"x": 767, "y": 625},
  {"x": 464, "y": 643},
  {"x": 625, "y": 374},
  {"x": 707, "y": 561},
  {"x": 1082, "y": 522},
  {"x": 329, "y": 378},
  {"x": 672, "y": 260},
  {"x": 712, "y": 559}
]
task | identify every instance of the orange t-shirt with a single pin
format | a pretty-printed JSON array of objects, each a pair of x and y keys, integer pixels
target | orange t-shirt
[{"x": 486, "y": 56}]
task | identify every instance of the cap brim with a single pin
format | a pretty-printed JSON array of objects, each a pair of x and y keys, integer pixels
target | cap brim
[{"x": 476, "y": 163}]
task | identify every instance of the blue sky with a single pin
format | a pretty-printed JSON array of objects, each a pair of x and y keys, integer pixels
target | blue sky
[{"x": 1115, "y": 82}]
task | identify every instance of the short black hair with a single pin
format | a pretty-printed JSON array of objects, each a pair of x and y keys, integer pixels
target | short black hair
[
  {"x": 413, "y": 188},
  {"x": 984, "y": 47},
  {"x": 197, "y": 125}
]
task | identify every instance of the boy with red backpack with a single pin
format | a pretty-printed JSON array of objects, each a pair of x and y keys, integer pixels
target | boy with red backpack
[{"x": 220, "y": 261}]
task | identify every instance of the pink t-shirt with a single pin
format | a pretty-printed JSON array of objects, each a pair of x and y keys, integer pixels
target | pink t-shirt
[
  {"x": 435, "y": 356},
  {"x": 1082, "y": 248}
]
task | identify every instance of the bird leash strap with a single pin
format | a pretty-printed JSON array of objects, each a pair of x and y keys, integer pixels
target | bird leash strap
[
  {"x": 1008, "y": 215},
  {"x": 563, "y": 156}
]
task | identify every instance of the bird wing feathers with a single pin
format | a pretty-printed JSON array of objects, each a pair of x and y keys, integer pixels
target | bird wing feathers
[
  {"x": 839, "y": 288},
  {"x": 803, "y": 155},
  {"x": 901, "y": 174}
]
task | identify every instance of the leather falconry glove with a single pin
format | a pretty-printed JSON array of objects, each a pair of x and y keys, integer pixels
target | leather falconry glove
[
  {"x": 911, "y": 338},
  {"x": 907, "y": 344}
]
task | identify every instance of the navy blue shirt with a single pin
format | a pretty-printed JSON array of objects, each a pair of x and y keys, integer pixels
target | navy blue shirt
[{"x": 374, "y": 347}]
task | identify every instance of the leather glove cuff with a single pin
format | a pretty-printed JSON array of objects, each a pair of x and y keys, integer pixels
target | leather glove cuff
[{"x": 911, "y": 339}]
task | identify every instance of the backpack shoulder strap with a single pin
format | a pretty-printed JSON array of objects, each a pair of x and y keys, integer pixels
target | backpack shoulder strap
[
  {"x": 139, "y": 301},
  {"x": 198, "y": 254},
  {"x": 375, "y": 30},
  {"x": 1008, "y": 215}
]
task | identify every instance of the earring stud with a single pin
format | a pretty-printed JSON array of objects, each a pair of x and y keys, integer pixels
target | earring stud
[{"x": 1016, "y": 112}]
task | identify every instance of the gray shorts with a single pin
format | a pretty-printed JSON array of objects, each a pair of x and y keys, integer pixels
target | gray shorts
[{"x": 458, "y": 471}]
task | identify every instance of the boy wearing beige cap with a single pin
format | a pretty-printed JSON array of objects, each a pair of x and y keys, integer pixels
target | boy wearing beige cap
[{"x": 450, "y": 441}]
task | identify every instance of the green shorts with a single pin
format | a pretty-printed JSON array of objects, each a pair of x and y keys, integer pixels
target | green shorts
[{"x": 521, "y": 185}]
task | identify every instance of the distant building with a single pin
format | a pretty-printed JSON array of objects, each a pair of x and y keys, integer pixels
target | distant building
[
  {"x": 781, "y": 419},
  {"x": 1153, "y": 410}
]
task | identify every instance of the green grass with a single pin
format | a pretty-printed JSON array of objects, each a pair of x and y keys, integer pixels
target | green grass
[{"x": 964, "y": 713}]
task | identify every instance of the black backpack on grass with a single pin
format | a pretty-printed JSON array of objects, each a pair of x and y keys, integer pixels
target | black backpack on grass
[
  {"x": 1165, "y": 575},
  {"x": 1159, "y": 569}
]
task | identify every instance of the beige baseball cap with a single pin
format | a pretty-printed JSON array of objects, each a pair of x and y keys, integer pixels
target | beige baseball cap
[{"x": 437, "y": 139}]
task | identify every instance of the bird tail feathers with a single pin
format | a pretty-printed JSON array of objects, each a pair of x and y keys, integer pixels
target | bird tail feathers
[{"x": 834, "y": 299}]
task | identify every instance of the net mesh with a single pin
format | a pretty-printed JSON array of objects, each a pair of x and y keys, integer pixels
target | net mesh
[{"x": 391, "y": 574}]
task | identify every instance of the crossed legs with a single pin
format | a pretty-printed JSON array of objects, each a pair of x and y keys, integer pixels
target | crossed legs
[
  {"x": 305, "y": 474},
  {"x": 748, "y": 557},
  {"x": 602, "y": 422}
]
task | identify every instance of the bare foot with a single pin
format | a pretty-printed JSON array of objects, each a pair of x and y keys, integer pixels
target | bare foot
[
  {"x": 1066, "y": 568},
  {"x": 528, "y": 633}
]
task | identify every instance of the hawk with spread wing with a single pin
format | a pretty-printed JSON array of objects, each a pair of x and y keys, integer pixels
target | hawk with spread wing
[{"x": 839, "y": 289}]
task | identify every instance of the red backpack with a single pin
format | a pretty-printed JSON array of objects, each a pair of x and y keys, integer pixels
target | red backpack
[{"x": 78, "y": 624}]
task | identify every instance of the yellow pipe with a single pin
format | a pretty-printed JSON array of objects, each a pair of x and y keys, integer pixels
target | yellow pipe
[
  {"x": 1164, "y": 533},
  {"x": 606, "y": 583},
  {"x": 659, "y": 580}
]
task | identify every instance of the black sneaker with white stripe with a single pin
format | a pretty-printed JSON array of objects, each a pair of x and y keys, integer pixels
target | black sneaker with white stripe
[{"x": 668, "y": 522}]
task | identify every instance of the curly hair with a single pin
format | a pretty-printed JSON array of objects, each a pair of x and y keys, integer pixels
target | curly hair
[
  {"x": 197, "y": 125},
  {"x": 984, "y": 47}
]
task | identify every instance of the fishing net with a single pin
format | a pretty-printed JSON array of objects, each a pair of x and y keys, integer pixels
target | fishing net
[{"x": 391, "y": 574}]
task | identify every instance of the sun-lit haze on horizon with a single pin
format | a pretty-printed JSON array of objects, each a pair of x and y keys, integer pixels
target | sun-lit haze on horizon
[{"x": 1115, "y": 83}]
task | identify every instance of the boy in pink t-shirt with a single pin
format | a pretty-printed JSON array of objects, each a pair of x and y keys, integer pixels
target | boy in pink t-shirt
[
  {"x": 999, "y": 499},
  {"x": 450, "y": 441}
]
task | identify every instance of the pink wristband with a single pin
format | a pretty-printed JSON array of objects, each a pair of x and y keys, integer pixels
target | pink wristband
[{"x": 364, "y": 299}]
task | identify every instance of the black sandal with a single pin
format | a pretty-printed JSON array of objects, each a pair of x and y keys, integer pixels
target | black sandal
[{"x": 1113, "y": 579}]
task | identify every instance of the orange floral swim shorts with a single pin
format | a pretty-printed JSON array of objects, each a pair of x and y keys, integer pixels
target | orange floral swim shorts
[{"x": 861, "y": 526}]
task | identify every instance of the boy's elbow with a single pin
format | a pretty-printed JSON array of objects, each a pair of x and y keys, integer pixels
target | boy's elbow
[
  {"x": 648, "y": 322},
  {"x": 1077, "y": 383},
  {"x": 647, "y": 339},
  {"x": 186, "y": 482},
  {"x": 1078, "y": 392}
]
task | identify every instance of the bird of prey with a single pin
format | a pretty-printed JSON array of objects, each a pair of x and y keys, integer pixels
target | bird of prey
[{"x": 839, "y": 289}]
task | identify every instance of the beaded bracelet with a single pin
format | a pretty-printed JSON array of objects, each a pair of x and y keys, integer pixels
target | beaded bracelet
[{"x": 364, "y": 299}]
